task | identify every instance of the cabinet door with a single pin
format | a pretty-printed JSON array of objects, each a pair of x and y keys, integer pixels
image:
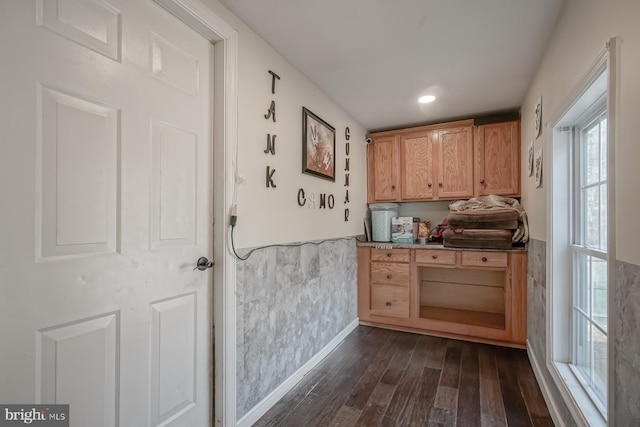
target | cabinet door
[
  {"x": 498, "y": 159},
  {"x": 416, "y": 166},
  {"x": 455, "y": 172},
  {"x": 383, "y": 170}
]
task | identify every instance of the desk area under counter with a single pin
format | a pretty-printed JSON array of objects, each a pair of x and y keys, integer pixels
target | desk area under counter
[{"x": 470, "y": 294}]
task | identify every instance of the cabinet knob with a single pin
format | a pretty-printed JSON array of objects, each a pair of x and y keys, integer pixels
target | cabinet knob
[
  {"x": 393, "y": 187},
  {"x": 484, "y": 259},
  {"x": 439, "y": 184},
  {"x": 482, "y": 181},
  {"x": 430, "y": 185},
  {"x": 388, "y": 276},
  {"x": 389, "y": 254},
  {"x": 388, "y": 304},
  {"x": 434, "y": 256}
]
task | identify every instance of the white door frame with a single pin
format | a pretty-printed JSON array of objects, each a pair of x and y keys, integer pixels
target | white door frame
[{"x": 225, "y": 141}]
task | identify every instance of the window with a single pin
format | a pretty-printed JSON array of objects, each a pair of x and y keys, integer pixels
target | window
[
  {"x": 581, "y": 244},
  {"x": 589, "y": 255}
]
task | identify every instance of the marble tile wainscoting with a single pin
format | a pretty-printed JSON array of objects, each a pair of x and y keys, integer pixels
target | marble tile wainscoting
[
  {"x": 291, "y": 302},
  {"x": 536, "y": 326},
  {"x": 627, "y": 344}
]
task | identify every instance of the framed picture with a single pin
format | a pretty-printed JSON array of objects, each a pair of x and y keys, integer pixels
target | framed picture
[
  {"x": 530, "y": 159},
  {"x": 538, "y": 168},
  {"x": 318, "y": 146},
  {"x": 538, "y": 117}
]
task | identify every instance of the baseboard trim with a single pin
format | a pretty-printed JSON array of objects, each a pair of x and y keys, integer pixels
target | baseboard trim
[
  {"x": 272, "y": 398},
  {"x": 544, "y": 387}
]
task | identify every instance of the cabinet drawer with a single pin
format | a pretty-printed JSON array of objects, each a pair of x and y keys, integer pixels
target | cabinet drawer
[
  {"x": 390, "y": 273},
  {"x": 435, "y": 257},
  {"x": 485, "y": 259},
  {"x": 389, "y": 301},
  {"x": 390, "y": 255}
]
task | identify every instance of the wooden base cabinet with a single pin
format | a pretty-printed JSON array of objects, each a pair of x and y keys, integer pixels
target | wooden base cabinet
[{"x": 466, "y": 294}]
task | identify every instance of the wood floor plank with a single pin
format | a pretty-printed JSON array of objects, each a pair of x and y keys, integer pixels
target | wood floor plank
[
  {"x": 514, "y": 405},
  {"x": 436, "y": 349},
  {"x": 532, "y": 395},
  {"x": 439, "y": 417},
  {"x": 447, "y": 398},
  {"x": 361, "y": 351},
  {"x": 346, "y": 417},
  {"x": 451, "y": 367},
  {"x": 404, "y": 351},
  {"x": 491, "y": 404},
  {"x": 330, "y": 393},
  {"x": 292, "y": 399},
  {"x": 392, "y": 376},
  {"x": 469, "y": 389},
  {"x": 376, "y": 406},
  {"x": 425, "y": 396},
  {"x": 363, "y": 389},
  {"x": 403, "y": 400}
]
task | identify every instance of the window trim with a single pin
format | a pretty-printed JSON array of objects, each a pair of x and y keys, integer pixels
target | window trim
[{"x": 582, "y": 409}]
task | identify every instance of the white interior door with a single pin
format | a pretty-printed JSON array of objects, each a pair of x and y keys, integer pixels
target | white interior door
[{"x": 106, "y": 206}]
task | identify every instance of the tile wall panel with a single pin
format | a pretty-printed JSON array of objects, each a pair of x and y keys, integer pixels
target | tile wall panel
[{"x": 291, "y": 302}]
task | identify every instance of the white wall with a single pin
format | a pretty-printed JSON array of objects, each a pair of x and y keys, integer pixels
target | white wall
[
  {"x": 581, "y": 34},
  {"x": 268, "y": 215}
]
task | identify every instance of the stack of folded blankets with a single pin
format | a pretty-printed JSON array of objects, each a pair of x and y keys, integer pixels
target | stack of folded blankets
[{"x": 487, "y": 222}]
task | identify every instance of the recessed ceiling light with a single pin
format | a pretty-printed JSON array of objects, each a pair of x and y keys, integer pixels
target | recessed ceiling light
[{"x": 426, "y": 99}]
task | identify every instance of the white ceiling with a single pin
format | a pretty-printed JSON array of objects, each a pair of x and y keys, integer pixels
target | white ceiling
[{"x": 375, "y": 57}]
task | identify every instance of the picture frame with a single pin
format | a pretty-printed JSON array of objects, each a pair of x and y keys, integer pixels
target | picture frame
[
  {"x": 318, "y": 146},
  {"x": 530, "y": 159},
  {"x": 538, "y": 118},
  {"x": 538, "y": 167}
]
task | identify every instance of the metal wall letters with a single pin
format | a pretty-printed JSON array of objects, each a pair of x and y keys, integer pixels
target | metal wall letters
[
  {"x": 347, "y": 136},
  {"x": 271, "y": 139}
]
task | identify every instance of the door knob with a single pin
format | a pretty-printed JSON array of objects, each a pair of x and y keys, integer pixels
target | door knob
[{"x": 203, "y": 263}]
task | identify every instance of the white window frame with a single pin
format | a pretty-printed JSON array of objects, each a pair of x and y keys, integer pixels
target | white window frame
[
  {"x": 592, "y": 114},
  {"x": 557, "y": 166}
]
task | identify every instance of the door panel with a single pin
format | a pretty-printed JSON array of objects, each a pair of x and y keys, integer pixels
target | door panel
[
  {"x": 62, "y": 379},
  {"x": 78, "y": 172},
  {"x": 498, "y": 159},
  {"x": 107, "y": 145},
  {"x": 417, "y": 166},
  {"x": 384, "y": 169},
  {"x": 456, "y": 163}
]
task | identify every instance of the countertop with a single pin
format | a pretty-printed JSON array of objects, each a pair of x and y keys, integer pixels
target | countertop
[{"x": 429, "y": 245}]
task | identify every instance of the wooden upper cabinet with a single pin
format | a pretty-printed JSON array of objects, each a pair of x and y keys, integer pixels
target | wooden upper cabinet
[
  {"x": 433, "y": 162},
  {"x": 417, "y": 172},
  {"x": 455, "y": 155},
  {"x": 383, "y": 165},
  {"x": 498, "y": 159}
]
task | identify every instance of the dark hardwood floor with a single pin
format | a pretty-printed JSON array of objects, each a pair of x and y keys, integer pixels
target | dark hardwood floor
[{"x": 378, "y": 377}]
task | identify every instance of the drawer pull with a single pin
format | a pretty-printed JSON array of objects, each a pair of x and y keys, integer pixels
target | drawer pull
[
  {"x": 439, "y": 184},
  {"x": 484, "y": 259},
  {"x": 430, "y": 185},
  {"x": 389, "y": 254},
  {"x": 388, "y": 304},
  {"x": 434, "y": 256},
  {"x": 393, "y": 187},
  {"x": 388, "y": 276}
]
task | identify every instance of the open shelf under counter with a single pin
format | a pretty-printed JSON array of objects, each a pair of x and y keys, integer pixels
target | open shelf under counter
[{"x": 464, "y": 317}]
